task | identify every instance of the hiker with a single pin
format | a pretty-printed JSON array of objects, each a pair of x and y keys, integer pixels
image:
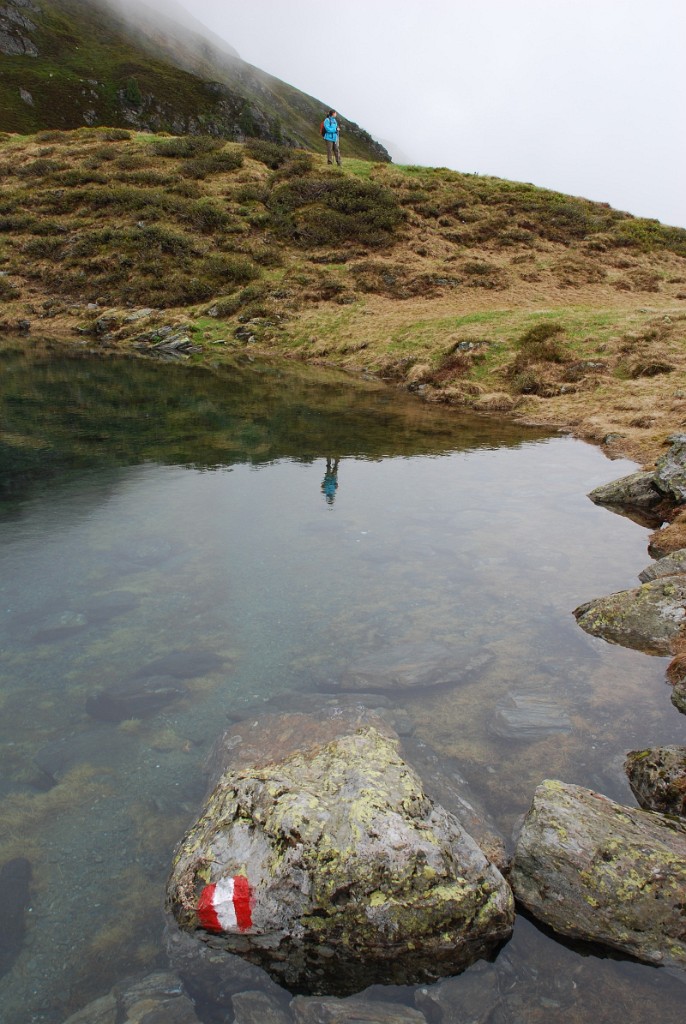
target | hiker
[{"x": 330, "y": 133}]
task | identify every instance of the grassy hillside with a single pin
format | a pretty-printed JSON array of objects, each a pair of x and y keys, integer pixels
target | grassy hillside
[
  {"x": 69, "y": 63},
  {"x": 475, "y": 291}
]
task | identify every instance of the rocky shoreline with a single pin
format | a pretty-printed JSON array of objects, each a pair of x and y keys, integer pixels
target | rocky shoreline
[{"x": 329, "y": 856}]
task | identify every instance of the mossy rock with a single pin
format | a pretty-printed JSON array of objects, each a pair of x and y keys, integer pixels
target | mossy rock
[{"x": 332, "y": 870}]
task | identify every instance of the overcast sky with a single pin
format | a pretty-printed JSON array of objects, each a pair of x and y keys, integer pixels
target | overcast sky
[{"x": 584, "y": 96}]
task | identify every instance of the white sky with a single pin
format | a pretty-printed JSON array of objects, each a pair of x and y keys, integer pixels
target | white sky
[{"x": 584, "y": 96}]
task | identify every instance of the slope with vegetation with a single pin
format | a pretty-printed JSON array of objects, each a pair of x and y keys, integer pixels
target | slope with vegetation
[
  {"x": 69, "y": 63},
  {"x": 484, "y": 293}
]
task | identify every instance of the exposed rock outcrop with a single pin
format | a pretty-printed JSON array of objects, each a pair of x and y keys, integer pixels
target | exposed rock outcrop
[
  {"x": 595, "y": 870},
  {"x": 333, "y": 870},
  {"x": 649, "y": 618}
]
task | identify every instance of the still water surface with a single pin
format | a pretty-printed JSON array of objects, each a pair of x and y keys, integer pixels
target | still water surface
[{"x": 276, "y": 526}]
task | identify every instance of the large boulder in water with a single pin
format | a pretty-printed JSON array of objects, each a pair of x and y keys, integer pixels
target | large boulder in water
[
  {"x": 649, "y": 618},
  {"x": 333, "y": 870},
  {"x": 595, "y": 870},
  {"x": 635, "y": 491}
]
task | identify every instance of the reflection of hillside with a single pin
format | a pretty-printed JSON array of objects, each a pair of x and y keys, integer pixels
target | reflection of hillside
[{"x": 69, "y": 414}]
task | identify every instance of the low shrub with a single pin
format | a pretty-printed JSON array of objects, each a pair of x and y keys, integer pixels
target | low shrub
[
  {"x": 540, "y": 344},
  {"x": 7, "y": 290},
  {"x": 213, "y": 163},
  {"x": 40, "y": 168},
  {"x": 184, "y": 146},
  {"x": 332, "y": 210},
  {"x": 268, "y": 153}
]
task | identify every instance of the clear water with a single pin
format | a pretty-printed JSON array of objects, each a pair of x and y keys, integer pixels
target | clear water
[{"x": 147, "y": 509}]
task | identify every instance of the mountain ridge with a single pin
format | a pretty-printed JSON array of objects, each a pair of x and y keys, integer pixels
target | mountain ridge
[{"x": 68, "y": 63}]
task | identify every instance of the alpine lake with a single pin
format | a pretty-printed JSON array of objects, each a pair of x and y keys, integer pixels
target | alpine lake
[{"x": 262, "y": 527}]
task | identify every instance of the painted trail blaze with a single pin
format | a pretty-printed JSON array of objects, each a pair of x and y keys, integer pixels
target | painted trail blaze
[{"x": 225, "y": 906}]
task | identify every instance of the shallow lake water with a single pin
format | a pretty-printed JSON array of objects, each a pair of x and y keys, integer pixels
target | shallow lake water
[{"x": 276, "y": 525}]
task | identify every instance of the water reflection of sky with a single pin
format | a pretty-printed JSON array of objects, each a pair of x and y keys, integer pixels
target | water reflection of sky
[{"x": 467, "y": 545}]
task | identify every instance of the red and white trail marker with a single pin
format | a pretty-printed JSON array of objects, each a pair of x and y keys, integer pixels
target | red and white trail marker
[{"x": 225, "y": 906}]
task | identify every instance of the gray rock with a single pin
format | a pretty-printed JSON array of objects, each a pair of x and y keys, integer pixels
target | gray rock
[
  {"x": 469, "y": 999},
  {"x": 670, "y": 565},
  {"x": 100, "y": 1011},
  {"x": 529, "y": 716},
  {"x": 59, "y": 626},
  {"x": 649, "y": 618},
  {"x": 353, "y": 1011},
  {"x": 658, "y": 778},
  {"x": 670, "y": 471},
  {"x": 679, "y": 696},
  {"x": 155, "y": 986},
  {"x": 637, "y": 490},
  {"x": 134, "y": 698},
  {"x": 595, "y": 870},
  {"x": 413, "y": 666},
  {"x": 258, "y": 1008},
  {"x": 333, "y": 871},
  {"x": 212, "y": 975}
]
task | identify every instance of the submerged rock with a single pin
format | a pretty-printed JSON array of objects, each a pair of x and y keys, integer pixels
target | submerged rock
[
  {"x": 595, "y": 870},
  {"x": 333, "y": 871},
  {"x": 670, "y": 565},
  {"x": 529, "y": 716},
  {"x": 183, "y": 664},
  {"x": 134, "y": 698},
  {"x": 413, "y": 666},
  {"x": 60, "y": 625},
  {"x": 353, "y": 1011},
  {"x": 258, "y": 1008},
  {"x": 469, "y": 999},
  {"x": 648, "y": 618},
  {"x": 15, "y": 881},
  {"x": 157, "y": 998},
  {"x": 658, "y": 778}
]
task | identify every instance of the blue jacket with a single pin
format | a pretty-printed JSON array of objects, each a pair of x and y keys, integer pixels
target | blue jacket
[{"x": 331, "y": 129}]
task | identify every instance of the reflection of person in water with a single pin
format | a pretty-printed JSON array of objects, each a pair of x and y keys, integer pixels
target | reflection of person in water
[{"x": 330, "y": 481}]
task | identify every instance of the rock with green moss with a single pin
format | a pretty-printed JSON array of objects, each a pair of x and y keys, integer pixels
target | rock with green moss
[
  {"x": 595, "y": 870},
  {"x": 649, "y": 618},
  {"x": 332, "y": 870},
  {"x": 658, "y": 778},
  {"x": 637, "y": 490}
]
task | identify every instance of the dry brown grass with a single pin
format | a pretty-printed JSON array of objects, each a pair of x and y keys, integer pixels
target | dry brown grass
[{"x": 476, "y": 262}]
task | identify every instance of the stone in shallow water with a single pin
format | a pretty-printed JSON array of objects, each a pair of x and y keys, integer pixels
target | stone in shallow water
[
  {"x": 658, "y": 778},
  {"x": 258, "y": 1008},
  {"x": 333, "y": 871},
  {"x": 649, "y": 618},
  {"x": 528, "y": 717},
  {"x": 103, "y": 607},
  {"x": 637, "y": 490},
  {"x": 596, "y": 870},
  {"x": 134, "y": 698},
  {"x": 15, "y": 881},
  {"x": 469, "y": 999},
  {"x": 353, "y": 1011},
  {"x": 59, "y": 626},
  {"x": 184, "y": 664},
  {"x": 410, "y": 666}
]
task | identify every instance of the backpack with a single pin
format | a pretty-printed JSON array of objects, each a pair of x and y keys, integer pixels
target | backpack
[{"x": 322, "y": 130}]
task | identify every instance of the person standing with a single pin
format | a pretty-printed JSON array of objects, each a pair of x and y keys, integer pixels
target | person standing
[{"x": 331, "y": 135}]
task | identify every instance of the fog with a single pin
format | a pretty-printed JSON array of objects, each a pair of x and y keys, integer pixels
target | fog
[{"x": 583, "y": 96}]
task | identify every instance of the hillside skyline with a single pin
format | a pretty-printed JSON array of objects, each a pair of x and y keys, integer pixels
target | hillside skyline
[{"x": 579, "y": 96}]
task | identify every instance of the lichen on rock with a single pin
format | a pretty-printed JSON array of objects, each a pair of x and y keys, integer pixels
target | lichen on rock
[
  {"x": 596, "y": 870},
  {"x": 354, "y": 876}
]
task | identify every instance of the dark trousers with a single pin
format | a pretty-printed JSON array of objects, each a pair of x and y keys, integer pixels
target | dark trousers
[{"x": 333, "y": 150}]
